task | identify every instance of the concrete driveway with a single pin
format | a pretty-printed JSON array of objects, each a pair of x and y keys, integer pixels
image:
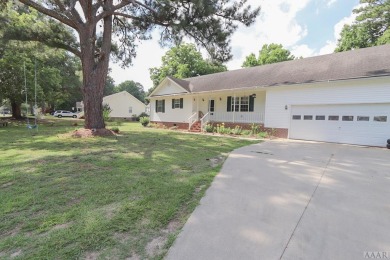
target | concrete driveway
[{"x": 293, "y": 200}]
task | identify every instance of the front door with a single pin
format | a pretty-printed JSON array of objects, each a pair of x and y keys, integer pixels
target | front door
[{"x": 211, "y": 106}]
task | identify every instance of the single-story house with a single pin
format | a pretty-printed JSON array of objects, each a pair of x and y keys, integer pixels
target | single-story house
[
  {"x": 122, "y": 105},
  {"x": 340, "y": 97}
]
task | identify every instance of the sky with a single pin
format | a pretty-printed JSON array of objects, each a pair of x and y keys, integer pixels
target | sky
[{"x": 305, "y": 27}]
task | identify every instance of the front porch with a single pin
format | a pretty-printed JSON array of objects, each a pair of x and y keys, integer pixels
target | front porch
[{"x": 232, "y": 108}]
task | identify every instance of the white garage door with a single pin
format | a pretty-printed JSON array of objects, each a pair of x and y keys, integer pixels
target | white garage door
[{"x": 364, "y": 124}]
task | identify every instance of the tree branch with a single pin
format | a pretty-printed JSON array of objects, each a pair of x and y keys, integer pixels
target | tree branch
[{"x": 50, "y": 13}]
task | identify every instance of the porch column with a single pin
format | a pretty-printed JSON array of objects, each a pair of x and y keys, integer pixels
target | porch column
[{"x": 234, "y": 107}]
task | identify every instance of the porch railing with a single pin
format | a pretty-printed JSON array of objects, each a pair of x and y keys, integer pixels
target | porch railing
[
  {"x": 192, "y": 119},
  {"x": 204, "y": 120},
  {"x": 236, "y": 117}
]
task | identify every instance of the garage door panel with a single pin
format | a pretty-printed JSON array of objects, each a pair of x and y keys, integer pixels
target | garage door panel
[{"x": 347, "y": 128}]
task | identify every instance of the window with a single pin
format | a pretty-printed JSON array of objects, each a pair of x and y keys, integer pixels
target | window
[
  {"x": 307, "y": 117},
  {"x": 380, "y": 118},
  {"x": 244, "y": 106},
  {"x": 241, "y": 104},
  {"x": 177, "y": 103},
  {"x": 130, "y": 110},
  {"x": 211, "y": 105},
  {"x": 296, "y": 117},
  {"x": 320, "y": 117},
  {"x": 160, "y": 106},
  {"x": 333, "y": 118},
  {"x": 363, "y": 118},
  {"x": 347, "y": 118}
]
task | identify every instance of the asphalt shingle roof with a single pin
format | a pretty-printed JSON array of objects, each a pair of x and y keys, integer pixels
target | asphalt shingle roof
[{"x": 360, "y": 63}]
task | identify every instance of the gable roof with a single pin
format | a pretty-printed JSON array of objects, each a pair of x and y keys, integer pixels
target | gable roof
[
  {"x": 360, "y": 63},
  {"x": 124, "y": 92}
]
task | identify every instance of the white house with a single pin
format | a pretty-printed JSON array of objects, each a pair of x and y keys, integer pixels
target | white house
[
  {"x": 341, "y": 97},
  {"x": 122, "y": 104}
]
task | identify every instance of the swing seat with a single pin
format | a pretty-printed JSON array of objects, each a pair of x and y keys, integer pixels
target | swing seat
[{"x": 32, "y": 126}]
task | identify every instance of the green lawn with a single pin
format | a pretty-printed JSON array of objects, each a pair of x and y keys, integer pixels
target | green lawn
[{"x": 96, "y": 198}]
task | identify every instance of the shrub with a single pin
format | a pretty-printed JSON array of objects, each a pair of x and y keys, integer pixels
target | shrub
[
  {"x": 209, "y": 128},
  {"x": 144, "y": 120},
  {"x": 255, "y": 129},
  {"x": 221, "y": 129},
  {"x": 106, "y": 112},
  {"x": 115, "y": 129},
  {"x": 263, "y": 134},
  {"x": 246, "y": 132},
  {"x": 143, "y": 114},
  {"x": 237, "y": 130}
]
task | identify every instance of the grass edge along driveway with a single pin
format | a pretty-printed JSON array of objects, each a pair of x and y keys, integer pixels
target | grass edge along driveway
[{"x": 93, "y": 198}]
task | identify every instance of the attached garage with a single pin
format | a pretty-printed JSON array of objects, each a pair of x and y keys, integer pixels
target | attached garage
[{"x": 362, "y": 124}]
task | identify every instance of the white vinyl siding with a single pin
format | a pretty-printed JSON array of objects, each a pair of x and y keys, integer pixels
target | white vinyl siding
[
  {"x": 363, "y": 91},
  {"x": 124, "y": 105}
]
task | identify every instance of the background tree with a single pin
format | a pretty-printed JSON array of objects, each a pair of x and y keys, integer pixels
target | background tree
[
  {"x": 268, "y": 54},
  {"x": 209, "y": 23},
  {"x": 183, "y": 61},
  {"x": 370, "y": 28},
  {"x": 109, "y": 87},
  {"x": 134, "y": 88}
]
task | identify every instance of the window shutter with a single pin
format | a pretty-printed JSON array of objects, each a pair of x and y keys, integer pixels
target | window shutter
[
  {"x": 251, "y": 103},
  {"x": 163, "y": 106},
  {"x": 181, "y": 103},
  {"x": 229, "y": 104},
  {"x": 173, "y": 103},
  {"x": 155, "y": 108}
]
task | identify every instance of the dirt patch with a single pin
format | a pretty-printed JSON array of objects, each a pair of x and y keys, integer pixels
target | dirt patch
[
  {"x": 5, "y": 185},
  {"x": 92, "y": 256},
  {"x": 110, "y": 210},
  {"x": 86, "y": 133},
  {"x": 155, "y": 246},
  {"x": 122, "y": 237},
  {"x": 16, "y": 254},
  {"x": 216, "y": 161}
]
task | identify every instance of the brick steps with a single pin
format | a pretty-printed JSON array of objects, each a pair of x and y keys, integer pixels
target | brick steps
[{"x": 196, "y": 127}]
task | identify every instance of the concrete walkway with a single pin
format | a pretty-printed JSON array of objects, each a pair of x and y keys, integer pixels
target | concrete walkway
[{"x": 293, "y": 200}]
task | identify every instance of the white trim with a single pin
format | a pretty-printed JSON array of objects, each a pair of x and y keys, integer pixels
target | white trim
[{"x": 163, "y": 83}]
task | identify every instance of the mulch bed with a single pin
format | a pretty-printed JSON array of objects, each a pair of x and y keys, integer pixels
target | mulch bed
[{"x": 85, "y": 133}]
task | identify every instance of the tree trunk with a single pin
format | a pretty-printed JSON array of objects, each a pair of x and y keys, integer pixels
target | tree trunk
[
  {"x": 16, "y": 110},
  {"x": 95, "y": 63}
]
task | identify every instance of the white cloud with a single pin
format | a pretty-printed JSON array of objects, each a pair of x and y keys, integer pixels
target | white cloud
[
  {"x": 276, "y": 24},
  {"x": 330, "y": 45},
  {"x": 302, "y": 51},
  {"x": 329, "y": 3}
]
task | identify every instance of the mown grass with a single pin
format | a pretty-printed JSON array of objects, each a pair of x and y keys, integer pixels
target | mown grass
[{"x": 96, "y": 198}]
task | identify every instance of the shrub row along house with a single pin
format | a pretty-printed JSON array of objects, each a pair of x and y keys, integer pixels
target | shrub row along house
[{"x": 341, "y": 97}]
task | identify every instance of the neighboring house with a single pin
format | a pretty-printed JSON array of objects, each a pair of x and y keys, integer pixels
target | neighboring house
[
  {"x": 122, "y": 104},
  {"x": 341, "y": 97}
]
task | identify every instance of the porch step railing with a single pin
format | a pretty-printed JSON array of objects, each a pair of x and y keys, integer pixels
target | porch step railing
[
  {"x": 204, "y": 120},
  {"x": 192, "y": 119}
]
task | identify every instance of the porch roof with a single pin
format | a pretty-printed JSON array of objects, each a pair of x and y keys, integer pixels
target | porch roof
[{"x": 360, "y": 63}]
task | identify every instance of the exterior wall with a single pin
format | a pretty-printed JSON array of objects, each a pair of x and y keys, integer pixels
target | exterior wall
[
  {"x": 177, "y": 115},
  {"x": 168, "y": 88},
  {"x": 120, "y": 104},
  {"x": 194, "y": 103},
  {"x": 362, "y": 91}
]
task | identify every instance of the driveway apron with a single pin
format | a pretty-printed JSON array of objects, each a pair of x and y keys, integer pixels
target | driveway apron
[{"x": 293, "y": 200}]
